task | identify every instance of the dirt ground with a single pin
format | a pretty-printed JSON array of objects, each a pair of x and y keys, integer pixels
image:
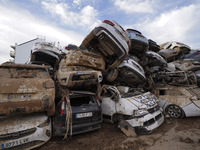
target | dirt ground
[{"x": 173, "y": 134}]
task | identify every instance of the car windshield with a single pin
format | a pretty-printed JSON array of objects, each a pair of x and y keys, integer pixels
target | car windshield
[
  {"x": 23, "y": 73},
  {"x": 83, "y": 100}
]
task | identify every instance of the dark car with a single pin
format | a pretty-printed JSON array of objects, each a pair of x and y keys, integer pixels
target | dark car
[
  {"x": 86, "y": 114},
  {"x": 194, "y": 55}
]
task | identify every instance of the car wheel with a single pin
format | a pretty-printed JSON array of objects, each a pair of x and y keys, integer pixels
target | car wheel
[
  {"x": 174, "y": 111},
  {"x": 112, "y": 75}
]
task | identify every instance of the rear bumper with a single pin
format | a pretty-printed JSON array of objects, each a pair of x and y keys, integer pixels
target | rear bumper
[
  {"x": 76, "y": 129},
  {"x": 108, "y": 41}
]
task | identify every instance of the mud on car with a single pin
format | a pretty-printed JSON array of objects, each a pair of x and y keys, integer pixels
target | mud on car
[
  {"x": 26, "y": 89},
  {"x": 179, "y": 101},
  {"x": 136, "y": 109},
  {"x": 86, "y": 113},
  {"x": 24, "y": 131}
]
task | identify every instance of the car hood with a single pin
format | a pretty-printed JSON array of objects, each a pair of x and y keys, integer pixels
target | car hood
[
  {"x": 146, "y": 100},
  {"x": 15, "y": 123}
]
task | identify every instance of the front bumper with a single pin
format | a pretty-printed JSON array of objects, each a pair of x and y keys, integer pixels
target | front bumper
[
  {"x": 147, "y": 123},
  {"x": 36, "y": 139},
  {"x": 76, "y": 129}
]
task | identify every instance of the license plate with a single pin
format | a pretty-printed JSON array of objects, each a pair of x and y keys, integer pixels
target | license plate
[
  {"x": 14, "y": 143},
  {"x": 82, "y": 115}
]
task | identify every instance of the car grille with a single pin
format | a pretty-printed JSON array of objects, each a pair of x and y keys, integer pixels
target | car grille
[
  {"x": 158, "y": 117},
  {"x": 16, "y": 135},
  {"x": 149, "y": 122},
  {"x": 154, "y": 109}
]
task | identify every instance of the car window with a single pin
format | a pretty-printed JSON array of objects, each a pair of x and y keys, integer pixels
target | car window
[
  {"x": 23, "y": 73},
  {"x": 83, "y": 100}
]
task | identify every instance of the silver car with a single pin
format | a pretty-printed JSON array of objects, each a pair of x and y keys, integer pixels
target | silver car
[{"x": 109, "y": 39}]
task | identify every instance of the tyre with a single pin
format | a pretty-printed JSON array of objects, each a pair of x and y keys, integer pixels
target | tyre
[
  {"x": 174, "y": 111},
  {"x": 112, "y": 75}
]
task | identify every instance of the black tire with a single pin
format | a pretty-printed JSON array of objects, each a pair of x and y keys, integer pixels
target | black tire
[{"x": 174, "y": 111}]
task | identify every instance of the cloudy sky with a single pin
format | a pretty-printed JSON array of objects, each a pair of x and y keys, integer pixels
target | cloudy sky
[{"x": 69, "y": 21}]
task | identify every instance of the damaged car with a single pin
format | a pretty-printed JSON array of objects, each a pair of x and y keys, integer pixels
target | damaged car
[
  {"x": 128, "y": 73},
  {"x": 26, "y": 89},
  {"x": 139, "y": 110},
  {"x": 24, "y": 131},
  {"x": 85, "y": 113},
  {"x": 46, "y": 52},
  {"x": 180, "y": 48},
  {"x": 109, "y": 39},
  {"x": 139, "y": 43},
  {"x": 179, "y": 101},
  {"x": 153, "y": 46}
]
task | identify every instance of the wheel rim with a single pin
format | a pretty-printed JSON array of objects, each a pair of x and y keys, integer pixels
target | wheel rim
[{"x": 174, "y": 111}]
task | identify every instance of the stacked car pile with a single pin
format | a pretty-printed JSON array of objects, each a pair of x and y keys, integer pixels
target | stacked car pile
[
  {"x": 113, "y": 72},
  {"x": 26, "y": 92}
]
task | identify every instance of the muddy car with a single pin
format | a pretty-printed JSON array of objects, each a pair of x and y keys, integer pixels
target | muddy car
[
  {"x": 179, "y": 101},
  {"x": 24, "y": 131},
  {"x": 77, "y": 77},
  {"x": 139, "y": 110},
  {"x": 187, "y": 65},
  {"x": 86, "y": 114},
  {"x": 139, "y": 43},
  {"x": 84, "y": 58},
  {"x": 109, "y": 39},
  {"x": 26, "y": 89}
]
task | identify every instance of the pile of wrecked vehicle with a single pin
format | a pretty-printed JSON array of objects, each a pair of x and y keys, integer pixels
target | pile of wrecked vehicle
[{"x": 114, "y": 75}]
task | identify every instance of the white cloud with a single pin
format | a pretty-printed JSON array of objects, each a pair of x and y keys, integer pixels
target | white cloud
[
  {"x": 18, "y": 26},
  {"x": 85, "y": 18},
  {"x": 177, "y": 25},
  {"x": 135, "y": 6}
]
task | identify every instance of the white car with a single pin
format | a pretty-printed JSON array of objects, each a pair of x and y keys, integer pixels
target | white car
[
  {"x": 24, "y": 131},
  {"x": 174, "y": 45},
  {"x": 179, "y": 101},
  {"x": 139, "y": 110},
  {"x": 110, "y": 39}
]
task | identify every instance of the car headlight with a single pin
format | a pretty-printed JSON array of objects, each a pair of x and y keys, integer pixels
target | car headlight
[
  {"x": 140, "y": 112},
  {"x": 45, "y": 123}
]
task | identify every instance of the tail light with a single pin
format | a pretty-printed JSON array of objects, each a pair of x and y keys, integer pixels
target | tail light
[
  {"x": 63, "y": 106},
  {"x": 108, "y": 22},
  {"x": 197, "y": 53},
  {"x": 98, "y": 101}
]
